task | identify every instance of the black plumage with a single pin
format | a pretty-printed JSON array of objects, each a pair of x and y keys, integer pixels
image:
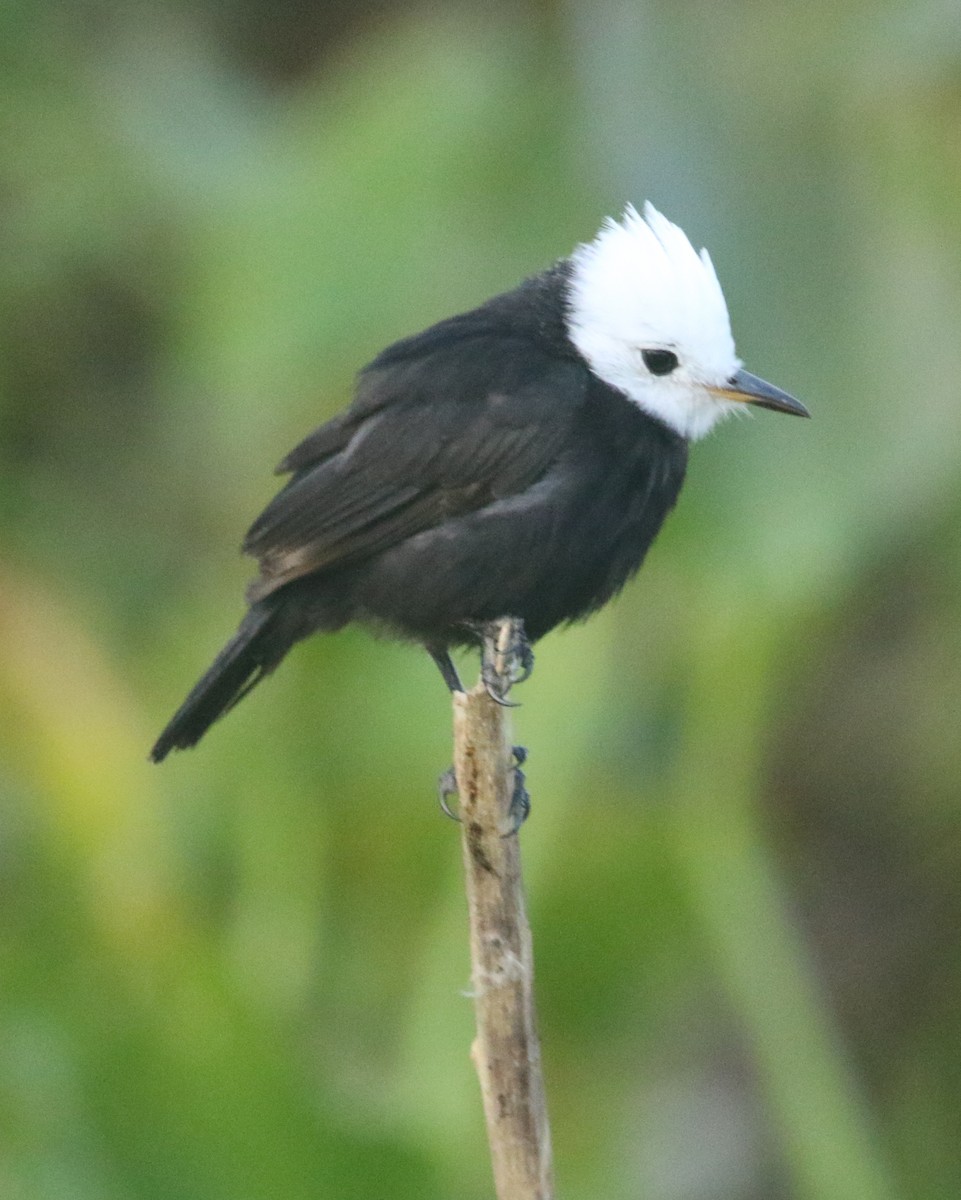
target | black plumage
[{"x": 483, "y": 470}]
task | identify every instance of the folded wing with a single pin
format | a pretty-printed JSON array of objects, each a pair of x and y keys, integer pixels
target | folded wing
[{"x": 422, "y": 444}]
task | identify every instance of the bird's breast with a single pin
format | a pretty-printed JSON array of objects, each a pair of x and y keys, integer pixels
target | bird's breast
[{"x": 549, "y": 554}]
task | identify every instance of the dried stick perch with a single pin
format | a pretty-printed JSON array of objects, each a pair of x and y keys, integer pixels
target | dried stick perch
[{"x": 506, "y": 1051}]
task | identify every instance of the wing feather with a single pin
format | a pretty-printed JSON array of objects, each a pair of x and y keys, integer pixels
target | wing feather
[{"x": 428, "y": 452}]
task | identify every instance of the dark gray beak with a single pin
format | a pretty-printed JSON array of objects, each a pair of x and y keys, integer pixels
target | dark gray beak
[{"x": 748, "y": 389}]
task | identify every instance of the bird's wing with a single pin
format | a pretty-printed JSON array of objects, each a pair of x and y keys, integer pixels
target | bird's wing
[{"x": 418, "y": 447}]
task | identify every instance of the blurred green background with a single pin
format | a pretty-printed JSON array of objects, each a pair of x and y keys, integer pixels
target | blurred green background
[{"x": 242, "y": 975}]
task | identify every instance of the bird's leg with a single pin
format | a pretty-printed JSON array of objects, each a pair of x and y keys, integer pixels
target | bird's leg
[
  {"x": 446, "y": 668},
  {"x": 506, "y": 657},
  {"x": 520, "y": 805}
]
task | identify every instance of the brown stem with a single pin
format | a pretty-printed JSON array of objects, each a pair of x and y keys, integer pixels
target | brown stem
[{"x": 506, "y": 1051}]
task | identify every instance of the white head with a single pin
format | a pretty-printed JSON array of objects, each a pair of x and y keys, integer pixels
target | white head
[{"x": 640, "y": 287}]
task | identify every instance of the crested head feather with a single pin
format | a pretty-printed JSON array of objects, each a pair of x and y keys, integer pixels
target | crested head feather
[{"x": 640, "y": 285}]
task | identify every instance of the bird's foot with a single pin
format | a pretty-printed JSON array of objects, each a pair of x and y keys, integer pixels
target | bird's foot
[
  {"x": 520, "y": 804},
  {"x": 519, "y": 808},
  {"x": 506, "y": 658}
]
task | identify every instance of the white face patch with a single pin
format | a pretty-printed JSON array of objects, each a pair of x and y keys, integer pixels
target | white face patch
[{"x": 640, "y": 285}]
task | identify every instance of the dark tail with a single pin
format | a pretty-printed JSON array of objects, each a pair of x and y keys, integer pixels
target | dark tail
[{"x": 250, "y": 654}]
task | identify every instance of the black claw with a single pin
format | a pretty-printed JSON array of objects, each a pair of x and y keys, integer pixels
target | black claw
[
  {"x": 520, "y": 805},
  {"x": 494, "y": 687},
  {"x": 526, "y": 659},
  {"x": 447, "y": 787}
]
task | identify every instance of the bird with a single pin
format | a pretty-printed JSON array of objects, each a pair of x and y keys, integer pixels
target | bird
[{"x": 513, "y": 461}]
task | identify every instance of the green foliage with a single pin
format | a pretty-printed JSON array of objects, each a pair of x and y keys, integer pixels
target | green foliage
[{"x": 242, "y": 975}]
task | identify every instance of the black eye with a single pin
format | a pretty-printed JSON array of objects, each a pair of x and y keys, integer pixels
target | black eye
[{"x": 659, "y": 362}]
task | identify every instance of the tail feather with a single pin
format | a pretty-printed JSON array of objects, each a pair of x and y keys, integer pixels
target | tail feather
[{"x": 249, "y": 655}]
